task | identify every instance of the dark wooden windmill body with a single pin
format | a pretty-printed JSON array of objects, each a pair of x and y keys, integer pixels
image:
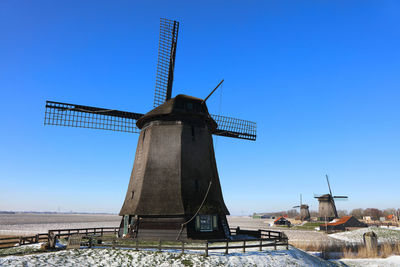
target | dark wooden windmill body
[
  {"x": 174, "y": 190},
  {"x": 304, "y": 210},
  {"x": 327, "y": 207}
]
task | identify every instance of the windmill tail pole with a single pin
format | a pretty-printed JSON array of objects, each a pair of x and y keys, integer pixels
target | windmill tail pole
[
  {"x": 201, "y": 205},
  {"x": 212, "y": 91}
]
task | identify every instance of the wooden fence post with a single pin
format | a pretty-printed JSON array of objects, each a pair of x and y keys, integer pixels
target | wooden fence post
[
  {"x": 183, "y": 247},
  {"x": 159, "y": 246},
  {"x": 260, "y": 244},
  {"x": 206, "y": 249},
  {"x": 227, "y": 245},
  {"x": 20, "y": 240},
  {"x": 275, "y": 244},
  {"x": 244, "y": 246},
  {"x": 137, "y": 244},
  {"x": 37, "y": 238}
]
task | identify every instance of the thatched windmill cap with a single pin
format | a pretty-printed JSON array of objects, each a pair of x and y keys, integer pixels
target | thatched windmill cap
[{"x": 181, "y": 107}]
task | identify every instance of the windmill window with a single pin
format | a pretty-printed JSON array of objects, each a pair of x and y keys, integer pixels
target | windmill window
[
  {"x": 204, "y": 223},
  {"x": 132, "y": 194}
]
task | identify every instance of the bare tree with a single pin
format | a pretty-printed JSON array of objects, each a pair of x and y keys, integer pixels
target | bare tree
[
  {"x": 358, "y": 213},
  {"x": 342, "y": 213},
  {"x": 374, "y": 213},
  {"x": 388, "y": 212},
  {"x": 293, "y": 213}
]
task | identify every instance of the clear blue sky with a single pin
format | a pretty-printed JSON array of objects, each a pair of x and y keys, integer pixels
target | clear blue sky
[{"x": 320, "y": 78}]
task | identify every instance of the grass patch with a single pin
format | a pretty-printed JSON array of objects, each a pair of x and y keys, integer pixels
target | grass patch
[
  {"x": 20, "y": 250},
  {"x": 307, "y": 226},
  {"x": 187, "y": 262}
]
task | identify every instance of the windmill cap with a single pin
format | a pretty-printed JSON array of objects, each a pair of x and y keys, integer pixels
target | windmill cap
[{"x": 180, "y": 108}]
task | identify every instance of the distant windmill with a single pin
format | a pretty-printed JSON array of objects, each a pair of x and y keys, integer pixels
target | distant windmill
[
  {"x": 327, "y": 208},
  {"x": 304, "y": 212},
  {"x": 174, "y": 189}
]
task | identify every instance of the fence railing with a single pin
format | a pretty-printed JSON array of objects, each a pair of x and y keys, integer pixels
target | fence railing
[
  {"x": 93, "y": 237},
  {"x": 85, "y": 231},
  {"x": 223, "y": 245},
  {"x": 7, "y": 242}
]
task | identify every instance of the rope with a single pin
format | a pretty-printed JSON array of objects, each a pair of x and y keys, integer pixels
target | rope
[{"x": 201, "y": 205}]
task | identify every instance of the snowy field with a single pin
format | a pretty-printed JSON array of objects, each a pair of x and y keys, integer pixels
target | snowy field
[
  {"x": 31, "y": 224},
  {"x": 393, "y": 261},
  {"x": 385, "y": 235},
  {"x": 129, "y": 257},
  {"x": 125, "y": 257}
]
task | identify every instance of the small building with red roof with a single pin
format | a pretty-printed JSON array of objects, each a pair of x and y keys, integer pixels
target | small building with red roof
[
  {"x": 282, "y": 221},
  {"x": 342, "y": 224},
  {"x": 391, "y": 217}
]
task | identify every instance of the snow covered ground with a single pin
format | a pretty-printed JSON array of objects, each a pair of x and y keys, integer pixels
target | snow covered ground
[
  {"x": 393, "y": 261},
  {"x": 385, "y": 235},
  {"x": 31, "y": 224},
  {"x": 125, "y": 257}
]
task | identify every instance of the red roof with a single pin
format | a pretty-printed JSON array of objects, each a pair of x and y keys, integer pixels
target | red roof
[
  {"x": 280, "y": 217},
  {"x": 339, "y": 221}
]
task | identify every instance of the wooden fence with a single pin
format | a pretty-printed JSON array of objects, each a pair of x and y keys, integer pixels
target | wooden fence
[
  {"x": 94, "y": 237},
  {"x": 223, "y": 245},
  {"x": 84, "y": 231},
  {"x": 7, "y": 242}
]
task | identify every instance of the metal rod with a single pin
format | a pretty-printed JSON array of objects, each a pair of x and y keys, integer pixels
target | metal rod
[{"x": 213, "y": 91}]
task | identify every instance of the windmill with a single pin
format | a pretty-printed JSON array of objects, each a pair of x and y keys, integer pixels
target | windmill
[
  {"x": 304, "y": 212},
  {"x": 327, "y": 208},
  {"x": 174, "y": 190}
]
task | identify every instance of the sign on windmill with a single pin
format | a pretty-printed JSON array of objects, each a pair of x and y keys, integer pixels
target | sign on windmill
[
  {"x": 174, "y": 190},
  {"x": 327, "y": 207}
]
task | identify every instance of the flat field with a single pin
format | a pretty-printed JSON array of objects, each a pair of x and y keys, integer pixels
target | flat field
[{"x": 33, "y": 223}]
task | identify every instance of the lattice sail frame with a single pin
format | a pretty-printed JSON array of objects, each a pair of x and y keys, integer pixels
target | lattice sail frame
[
  {"x": 63, "y": 114},
  {"x": 237, "y": 128},
  {"x": 166, "y": 60}
]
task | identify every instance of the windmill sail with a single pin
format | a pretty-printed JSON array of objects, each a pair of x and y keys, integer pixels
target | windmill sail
[
  {"x": 166, "y": 60},
  {"x": 72, "y": 115},
  {"x": 235, "y": 128},
  {"x": 64, "y": 114}
]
